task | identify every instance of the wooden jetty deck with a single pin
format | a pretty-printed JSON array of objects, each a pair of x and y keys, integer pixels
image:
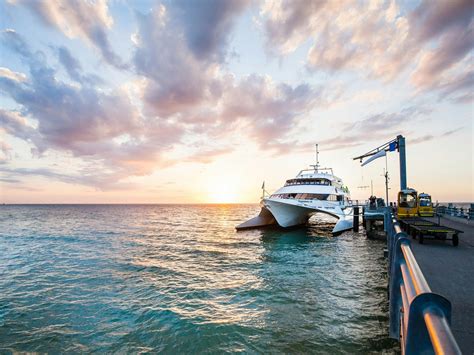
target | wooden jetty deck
[{"x": 450, "y": 272}]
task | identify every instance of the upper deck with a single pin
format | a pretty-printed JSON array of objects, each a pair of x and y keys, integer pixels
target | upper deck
[{"x": 320, "y": 176}]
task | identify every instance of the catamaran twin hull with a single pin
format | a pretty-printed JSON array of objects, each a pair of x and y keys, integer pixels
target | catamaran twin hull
[
  {"x": 312, "y": 190},
  {"x": 289, "y": 213}
]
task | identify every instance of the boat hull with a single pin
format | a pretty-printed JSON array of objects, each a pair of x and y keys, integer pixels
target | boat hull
[
  {"x": 289, "y": 213},
  {"x": 264, "y": 218}
]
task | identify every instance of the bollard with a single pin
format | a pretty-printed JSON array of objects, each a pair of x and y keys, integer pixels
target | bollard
[{"x": 355, "y": 226}]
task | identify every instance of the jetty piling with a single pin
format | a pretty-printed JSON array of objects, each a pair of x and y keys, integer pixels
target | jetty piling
[{"x": 355, "y": 224}]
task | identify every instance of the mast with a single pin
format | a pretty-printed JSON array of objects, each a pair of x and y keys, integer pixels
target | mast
[{"x": 316, "y": 166}]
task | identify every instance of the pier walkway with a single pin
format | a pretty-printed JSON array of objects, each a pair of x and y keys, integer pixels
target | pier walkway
[{"x": 450, "y": 272}]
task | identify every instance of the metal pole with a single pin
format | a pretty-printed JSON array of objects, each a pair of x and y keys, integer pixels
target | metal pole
[{"x": 403, "y": 162}]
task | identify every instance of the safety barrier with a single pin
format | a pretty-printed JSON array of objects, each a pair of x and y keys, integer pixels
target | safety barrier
[
  {"x": 461, "y": 212},
  {"x": 419, "y": 318}
]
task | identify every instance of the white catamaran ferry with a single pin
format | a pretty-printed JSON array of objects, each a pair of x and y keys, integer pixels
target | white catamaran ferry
[{"x": 312, "y": 190}]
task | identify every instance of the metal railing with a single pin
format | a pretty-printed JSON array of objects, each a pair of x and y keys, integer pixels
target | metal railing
[
  {"x": 419, "y": 318},
  {"x": 461, "y": 212}
]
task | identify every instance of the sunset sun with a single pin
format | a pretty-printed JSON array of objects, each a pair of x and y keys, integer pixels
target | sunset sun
[{"x": 222, "y": 192}]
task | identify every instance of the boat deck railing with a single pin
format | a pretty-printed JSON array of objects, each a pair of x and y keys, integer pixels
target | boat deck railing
[{"x": 419, "y": 318}]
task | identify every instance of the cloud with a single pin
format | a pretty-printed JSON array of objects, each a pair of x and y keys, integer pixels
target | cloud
[
  {"x": 74, "y": 68},
  {"x": 5, "y": 150},
  {"x": 7, "y": 73},
  {"x": 67, "y": 114},
  {"x": 180, "y": 58},
  {"x": 9, "y": 181},
  {"x": 88, "y": 20},
  {"x": 84, "y": 120},
  {"x": 268, "y": 109},
  {"x": 207, "y": 25},
  {"x": 432, "y": 18},
  {"x": 453, "y": 47},
  {"x": 374, "y": 128},
  {"x": 430, "y": 137},
  {"x": 379, "y": 39},
  {"x": 13, "y": 123},
  {"x": 183, "y": 91},
  {"x": 288, "y": 23},
  {"x": 101, "y": 180},
  {"x": 179, "y": 52},
  {"x": 344, "y": 34},
  {"x": 459, "y": 88}
]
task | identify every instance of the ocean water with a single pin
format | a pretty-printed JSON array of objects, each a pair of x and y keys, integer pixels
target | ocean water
[{"x": 179, "y": 279}]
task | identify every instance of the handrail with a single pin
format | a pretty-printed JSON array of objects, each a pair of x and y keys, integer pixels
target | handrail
[{"x": 419, "y": 318}]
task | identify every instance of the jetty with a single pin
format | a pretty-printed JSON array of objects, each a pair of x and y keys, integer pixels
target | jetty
[
  {"x": 449, "y": 272},
  {"x": 430, "y": 265}
]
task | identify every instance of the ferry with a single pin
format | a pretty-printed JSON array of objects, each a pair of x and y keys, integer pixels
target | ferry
[{"x": 311, "y": 191}]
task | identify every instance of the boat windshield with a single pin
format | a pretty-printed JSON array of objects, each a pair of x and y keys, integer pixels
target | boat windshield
[{"x": 308, "y": 182}]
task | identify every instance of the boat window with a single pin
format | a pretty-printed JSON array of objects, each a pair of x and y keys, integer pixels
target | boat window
[
  {"x": 308, "y": 182},
  {"x": 304, "y": 196}
]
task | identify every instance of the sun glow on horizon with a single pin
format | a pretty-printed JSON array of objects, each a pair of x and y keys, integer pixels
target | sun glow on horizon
[{"x": 222, "y": 190}]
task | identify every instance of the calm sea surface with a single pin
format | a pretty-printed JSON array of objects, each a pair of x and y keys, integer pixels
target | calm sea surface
[{"x": 180, "y": 279}]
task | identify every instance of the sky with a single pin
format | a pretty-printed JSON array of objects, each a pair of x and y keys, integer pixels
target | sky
[{"x": 199, "y": 101}]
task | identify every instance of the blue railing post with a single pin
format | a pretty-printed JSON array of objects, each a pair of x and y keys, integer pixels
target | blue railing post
[{"x": 395, "y": 283}]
